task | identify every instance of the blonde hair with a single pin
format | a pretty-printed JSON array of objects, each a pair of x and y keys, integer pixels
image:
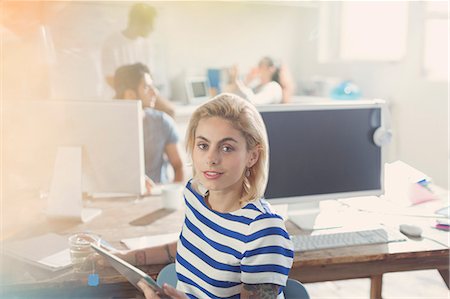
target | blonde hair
[{"x": 245, "y": 118}]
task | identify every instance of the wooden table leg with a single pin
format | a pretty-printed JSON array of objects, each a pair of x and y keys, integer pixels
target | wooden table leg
[
  {"x": 445, "y": 276},
  {"x": 375, "y": 286}
]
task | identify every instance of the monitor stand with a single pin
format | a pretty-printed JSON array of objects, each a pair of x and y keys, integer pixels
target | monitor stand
[
  {"x": 65, "y": 197},
  {"x": 310, "y": 216}
]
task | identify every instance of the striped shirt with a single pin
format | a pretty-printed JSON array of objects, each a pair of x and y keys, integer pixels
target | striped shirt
[{"x": 217, "y": 252}]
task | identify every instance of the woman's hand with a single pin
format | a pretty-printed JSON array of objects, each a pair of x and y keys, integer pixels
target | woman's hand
[
  {"x": 169, "y": 291},
  {"x": 252, "y": 75},
  {"x": 233, "y": 73}
]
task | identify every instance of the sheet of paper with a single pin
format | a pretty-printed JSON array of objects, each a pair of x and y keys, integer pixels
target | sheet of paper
[
  {"x": 150, "y": 241},
  {"x": 399, "y": 178},
  {"x": 59, "y": 259},
  {"x": 405, "y": 171}
]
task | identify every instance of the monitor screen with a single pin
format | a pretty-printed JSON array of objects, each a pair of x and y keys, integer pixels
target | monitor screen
[
  {"x": 322, "y": 151},
  {"x": 199, "y": 89}
]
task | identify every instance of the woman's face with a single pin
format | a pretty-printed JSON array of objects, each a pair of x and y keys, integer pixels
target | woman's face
[
  {"x": 265, "y": 72},
  {"x": 220, "y": 155}
]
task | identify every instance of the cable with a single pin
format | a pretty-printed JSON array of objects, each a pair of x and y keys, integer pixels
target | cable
[{"x": 436, "y": 241}]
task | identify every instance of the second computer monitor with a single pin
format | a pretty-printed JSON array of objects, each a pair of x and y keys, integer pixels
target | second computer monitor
[{"x": 323, "y": 151}]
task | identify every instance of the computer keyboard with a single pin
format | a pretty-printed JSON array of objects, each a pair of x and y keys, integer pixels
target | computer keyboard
[{"x": 341, "y": 239}]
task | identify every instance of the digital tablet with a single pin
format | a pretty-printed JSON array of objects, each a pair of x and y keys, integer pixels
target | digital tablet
[{"x": 131, "y": 273}]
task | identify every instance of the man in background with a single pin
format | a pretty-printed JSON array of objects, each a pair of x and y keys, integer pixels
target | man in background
[
  {"x": 132, "y": 45},
  {"x": 133, "y": 82}
]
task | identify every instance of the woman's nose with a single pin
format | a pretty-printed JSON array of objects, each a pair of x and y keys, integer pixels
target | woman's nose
[{"x": 213, "y": 158}]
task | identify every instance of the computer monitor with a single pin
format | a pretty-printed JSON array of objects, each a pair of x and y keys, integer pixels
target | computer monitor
[
  {"x": 197, "y": 89},
  {"x": 323, "y": 151},
  {"x": 64, "y": 148}
]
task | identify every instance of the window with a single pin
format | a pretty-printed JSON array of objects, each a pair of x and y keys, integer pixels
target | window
[
  {"x": 435, "y": 65},
  {"x": 373, "y": 30},
  {"x": 363, "y": 30}
]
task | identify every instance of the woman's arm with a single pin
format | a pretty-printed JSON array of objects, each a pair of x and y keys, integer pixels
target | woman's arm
[
  {"x": 163, "y": 254},
  {"x": 259, "y": 291}
]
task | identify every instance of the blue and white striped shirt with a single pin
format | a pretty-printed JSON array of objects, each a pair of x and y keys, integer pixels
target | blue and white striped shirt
[{"x": 217, "y": 252}]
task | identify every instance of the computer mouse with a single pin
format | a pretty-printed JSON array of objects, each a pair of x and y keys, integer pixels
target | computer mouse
[{"x": 411, "y": 230}]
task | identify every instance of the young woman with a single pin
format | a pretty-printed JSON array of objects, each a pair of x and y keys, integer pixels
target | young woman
[
  {"x": 268, "y": 83},
  {"x": 231, "y": 244}
]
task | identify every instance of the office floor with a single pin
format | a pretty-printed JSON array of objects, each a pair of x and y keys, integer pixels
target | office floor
[{"x": 406, "y": 285}]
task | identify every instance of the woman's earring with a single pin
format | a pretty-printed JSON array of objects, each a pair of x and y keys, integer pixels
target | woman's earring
[{"x": 247, "y": 172}]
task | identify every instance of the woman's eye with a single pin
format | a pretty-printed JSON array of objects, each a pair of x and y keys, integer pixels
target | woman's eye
[
  {"x": 227, "y": 148},
  {"x": 202, "y": 146}
]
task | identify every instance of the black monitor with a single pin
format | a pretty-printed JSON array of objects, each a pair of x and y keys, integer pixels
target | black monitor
[{"x": 324, "y": 151}]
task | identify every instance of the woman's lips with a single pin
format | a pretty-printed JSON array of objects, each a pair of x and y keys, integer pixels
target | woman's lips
[{"x": 212, "y": 175}]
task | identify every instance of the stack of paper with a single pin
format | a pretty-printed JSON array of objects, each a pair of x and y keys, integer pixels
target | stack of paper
[
  {"x": 406, "y": 185},
  {"x": 49, "y": 251}
]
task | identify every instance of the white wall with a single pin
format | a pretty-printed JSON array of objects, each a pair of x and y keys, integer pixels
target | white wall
[
  {"x": 220, "y": 34},
  {"x": 191, "y": 36},
  {"x": 196, "y": 35}
]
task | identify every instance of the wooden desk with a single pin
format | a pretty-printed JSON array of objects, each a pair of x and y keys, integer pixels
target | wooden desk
[{"x": 370, "y": 261}]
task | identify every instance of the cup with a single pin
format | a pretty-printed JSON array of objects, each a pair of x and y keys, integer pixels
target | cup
[
  {"x": 81, "y": 251},
  {"x": 172, "y": 196}
]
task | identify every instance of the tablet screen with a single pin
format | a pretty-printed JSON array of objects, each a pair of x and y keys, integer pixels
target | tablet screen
[{"x": 130, "y": 272}]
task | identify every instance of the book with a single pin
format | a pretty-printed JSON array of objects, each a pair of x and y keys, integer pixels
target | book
[{"x": 49, "y": 251}]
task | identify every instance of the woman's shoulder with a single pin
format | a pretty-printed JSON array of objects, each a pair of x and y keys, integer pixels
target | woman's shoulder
[
  {"x": 273, "y": 85},
  {"x": 267, "y": 224},
  {"x": 262, "y": 210}
]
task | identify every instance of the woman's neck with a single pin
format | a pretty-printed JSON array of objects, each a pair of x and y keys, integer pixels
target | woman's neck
[{"x": 224, "y": 202}]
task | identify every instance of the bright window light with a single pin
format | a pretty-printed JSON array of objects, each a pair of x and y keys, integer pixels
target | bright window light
[
  {"x": 373, "y": 30},
  {"x": 436, "y": 49},
  {"x": 440, "y": 7},
  {"x": 436, "y": 41}
]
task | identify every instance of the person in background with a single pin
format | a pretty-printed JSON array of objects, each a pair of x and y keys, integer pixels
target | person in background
[
  {"x": 132, "y": 45},
  {"x": 287, "y": 83},
  {"x": 267, "y": 83},
  {"x": 133, "y": 82},
  {"x": 231, "y": 243}
]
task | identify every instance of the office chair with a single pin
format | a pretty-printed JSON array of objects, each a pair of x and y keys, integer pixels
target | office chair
[
  {"x": 167, "y": 275},
  {"x": 293, "y": 290}
]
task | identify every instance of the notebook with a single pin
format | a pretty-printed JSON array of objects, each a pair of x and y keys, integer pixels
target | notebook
[{"x": 49, "y": 251}]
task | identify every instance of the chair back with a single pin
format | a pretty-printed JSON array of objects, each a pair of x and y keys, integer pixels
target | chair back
[
  {"x": 168, "y": 275},
  {"x": 295, "y": 290}
]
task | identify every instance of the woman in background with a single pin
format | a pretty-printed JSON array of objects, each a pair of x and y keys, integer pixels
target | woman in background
[{"x": 268, "y": 83}]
